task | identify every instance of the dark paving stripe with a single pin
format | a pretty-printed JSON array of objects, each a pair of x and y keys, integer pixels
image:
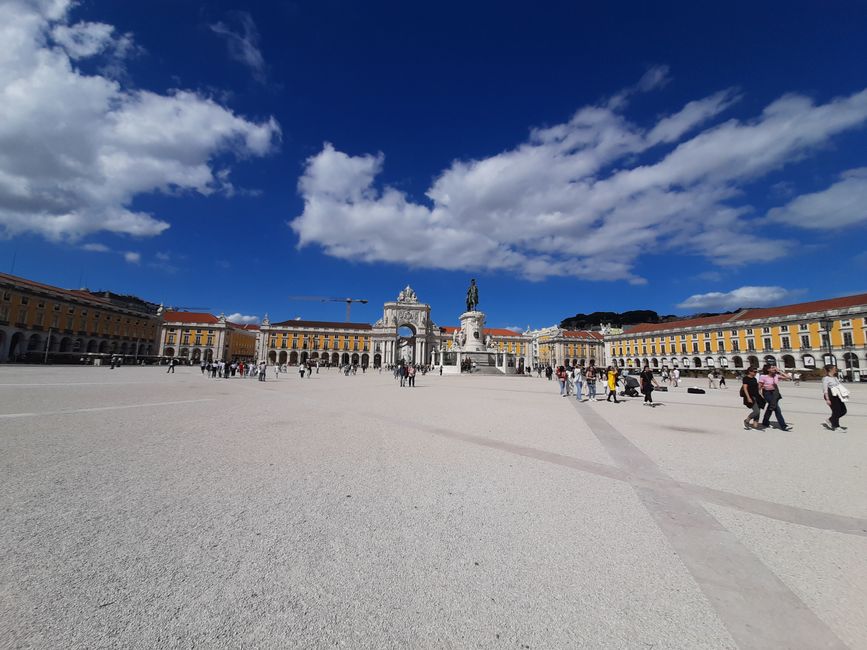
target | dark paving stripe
[{"x": 757, "y": 608}]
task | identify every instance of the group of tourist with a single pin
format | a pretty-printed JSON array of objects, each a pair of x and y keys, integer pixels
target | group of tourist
[
  {"x": 406, "y": 373},
  {"x": 760, "y": 390}
]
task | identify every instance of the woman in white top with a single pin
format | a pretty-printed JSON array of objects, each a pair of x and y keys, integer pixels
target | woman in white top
[{"x": 838, "y": 408}]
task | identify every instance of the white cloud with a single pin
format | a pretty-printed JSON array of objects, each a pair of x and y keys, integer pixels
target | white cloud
[
  {"x": 741, "y": 297},
  {"x": 95, "y": 248},
  {"x": 842, "y": 204},
  {"x": 76, "y": 148},
  {"x": 572, "y": 200},
  {"x": 241, "y": 319},
  {"x": 132, "y": 257},
  {"x": 671, "y": 128},
  {"x": 655, "y": 77},
  {"x": 243, "y": 42}
]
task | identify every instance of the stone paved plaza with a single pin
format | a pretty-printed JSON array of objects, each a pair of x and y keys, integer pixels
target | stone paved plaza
[{"x": 141, "y": 509}]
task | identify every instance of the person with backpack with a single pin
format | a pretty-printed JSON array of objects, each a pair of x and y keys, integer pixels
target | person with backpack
[{"x": 752, "y": 398}]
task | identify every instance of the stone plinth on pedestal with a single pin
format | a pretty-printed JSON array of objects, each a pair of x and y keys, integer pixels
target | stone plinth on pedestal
[{"x": 473, "y": 331}]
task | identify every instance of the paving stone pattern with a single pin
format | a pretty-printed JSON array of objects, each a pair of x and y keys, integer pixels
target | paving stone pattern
[{"x": 152, "y": 510}]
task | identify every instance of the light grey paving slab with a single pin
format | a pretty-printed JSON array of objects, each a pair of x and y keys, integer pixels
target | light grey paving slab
[{"x": 347, "y": 511}]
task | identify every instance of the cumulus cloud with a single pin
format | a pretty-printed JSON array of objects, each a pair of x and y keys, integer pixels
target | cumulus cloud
[
  {"x": 132, "y": 257},
  {"x": 571, "y": 200},
  {"x": 842, "y": 204},
  {"x": 737, "y": 298},
  {"x": 241, "y": 319},
  {"x": 76, "y": 148},
  {"x": 242, "y": 38},
  {"x": 95, "y": 248}
]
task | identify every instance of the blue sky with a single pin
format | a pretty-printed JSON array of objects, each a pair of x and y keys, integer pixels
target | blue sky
[{"x": 570, "y": 156}]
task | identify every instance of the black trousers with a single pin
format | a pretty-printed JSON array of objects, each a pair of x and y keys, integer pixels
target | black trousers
[{"x": 838, "y": 410}]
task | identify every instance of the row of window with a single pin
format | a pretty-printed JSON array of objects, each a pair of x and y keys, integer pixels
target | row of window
[
  {"x": 785, "y": 344},
  {"x": 101, "y": 323}
]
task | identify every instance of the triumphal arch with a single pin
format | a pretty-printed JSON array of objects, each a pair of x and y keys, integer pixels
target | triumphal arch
[{"x": 405, "y": 332}]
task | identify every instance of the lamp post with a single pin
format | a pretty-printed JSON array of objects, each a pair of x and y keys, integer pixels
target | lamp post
[
  {"x": 47, "y": 345},
  {"x": 827, "y": 324}
]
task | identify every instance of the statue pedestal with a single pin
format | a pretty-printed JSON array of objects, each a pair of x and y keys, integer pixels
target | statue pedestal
[{"x": 473, "y": 331}]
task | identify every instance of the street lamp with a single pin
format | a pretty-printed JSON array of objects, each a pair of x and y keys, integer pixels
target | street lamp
[{"x": 827, "y": 324}]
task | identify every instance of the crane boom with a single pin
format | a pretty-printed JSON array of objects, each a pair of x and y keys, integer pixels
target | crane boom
[{"x": 348, "y": 301}]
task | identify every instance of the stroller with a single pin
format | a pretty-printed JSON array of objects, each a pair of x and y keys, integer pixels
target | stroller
[{"x": 630, "y": 387}]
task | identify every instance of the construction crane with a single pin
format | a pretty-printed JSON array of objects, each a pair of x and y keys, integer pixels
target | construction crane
[{"x": 348, "y": 301}]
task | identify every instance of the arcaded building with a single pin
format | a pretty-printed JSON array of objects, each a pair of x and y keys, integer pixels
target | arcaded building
[{"x": 41, "y": 322}]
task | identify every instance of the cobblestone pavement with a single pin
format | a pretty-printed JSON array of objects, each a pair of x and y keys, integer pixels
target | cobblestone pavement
[{"x": 145, "y": 509}]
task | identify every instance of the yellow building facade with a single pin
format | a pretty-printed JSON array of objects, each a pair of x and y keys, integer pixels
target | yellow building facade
[
  {"x": 802, "y": 337},
  {"x": 294, "y": 342},
  {"x": 197, "y": 337},
  {"x": 555, "y": 346},
  {"x": 40, "y": 322}
]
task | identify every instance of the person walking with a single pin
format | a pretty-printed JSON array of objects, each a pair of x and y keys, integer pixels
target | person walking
[
  {"x": 612, "y": 385},
  {"x": 769, "y": 385},
  {"x": 590, "y": 376},
  {"x": 171, "y": 368},
  {"x": 675, "y": 378},
  {"x": 411, "y": 371},
  {"x": 722, "y": 379},
  {"x": 752, "y": 399},
  {"x": 835, "y": 395},
  {"x": 577, "y": 381},
  {"x": 561, "y": 379},
  {"x": 648, "y": 381},
  {"x": 262, "y": 368}
]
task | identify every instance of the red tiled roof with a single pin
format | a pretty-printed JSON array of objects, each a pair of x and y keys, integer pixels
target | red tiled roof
[
  {"x": 72, "y": 293},
  {"x": 323, "y": 324},
  {"x": 678, "y": 324},
  {"x": 189, "y": 317},
  {"x": 582, "y": 334},
  {"x": 828, "y": 304}
]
